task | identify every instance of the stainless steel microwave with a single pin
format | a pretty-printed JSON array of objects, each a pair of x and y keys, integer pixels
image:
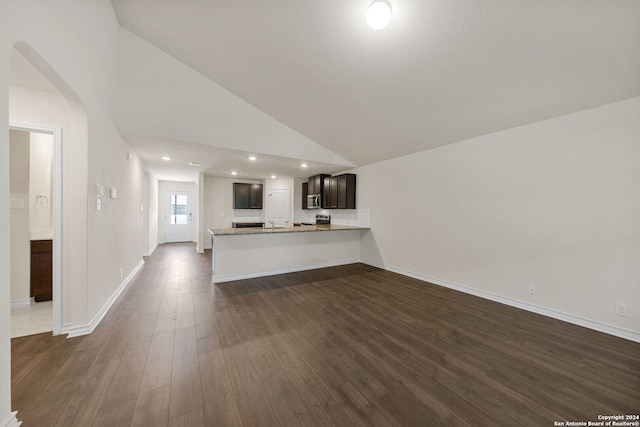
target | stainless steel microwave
[{"x": 313, "y": 201}]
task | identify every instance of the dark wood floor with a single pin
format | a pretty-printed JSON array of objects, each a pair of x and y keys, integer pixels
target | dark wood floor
[{"x": 341, "y": 346}]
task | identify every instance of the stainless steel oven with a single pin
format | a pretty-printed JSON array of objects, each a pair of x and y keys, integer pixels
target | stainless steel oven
[{"x": 323, "y": 219}]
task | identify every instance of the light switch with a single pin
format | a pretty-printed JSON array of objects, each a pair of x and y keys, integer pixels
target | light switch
[
  {"x": 113, "y": 193},
  {"x": 98, "y": 204},
  {"x": 99, "y": 190}
]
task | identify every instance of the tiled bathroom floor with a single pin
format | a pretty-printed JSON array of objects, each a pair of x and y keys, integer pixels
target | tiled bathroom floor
[{"x": 32, "y": 320}]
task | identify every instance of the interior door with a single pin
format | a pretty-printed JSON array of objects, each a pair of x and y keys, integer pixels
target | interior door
[
  {"x": 178, "y": 218},
  {"x": 279, "y": 207}
]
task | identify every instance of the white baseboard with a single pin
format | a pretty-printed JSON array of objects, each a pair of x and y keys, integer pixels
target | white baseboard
[
  {"x": 23, "y": 303},
  {"x": 153, "y": 249},
  {"x": 217, "y": 279},
  {"x": 10, "y": 420},
  {"x": 76, "y": 331},
  {"x": 555, "y": 314}
]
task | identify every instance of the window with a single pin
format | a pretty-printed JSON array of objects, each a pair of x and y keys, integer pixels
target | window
[{"x": 179, "y": 209}]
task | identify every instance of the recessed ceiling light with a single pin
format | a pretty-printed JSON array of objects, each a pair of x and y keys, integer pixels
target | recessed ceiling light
[
  {"x": 273, "y": 177},
  {"x": 304, "y": 165},
  {"x": 234, "y": 173},
  {"x": 195, "y": 164},
  {"x": 379, "y": 14},
  {"x": 166, "y": 158},
  {"x": 252, "y": 158}
]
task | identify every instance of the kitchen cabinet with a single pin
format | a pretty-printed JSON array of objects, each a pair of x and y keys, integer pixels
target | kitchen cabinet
[
  {"x": 305, "y": 193},
  {"x": 247, "y": 196},
  {"x": 316, "y": 184},
  {"x": 42, "y": 270},
  {"x": 330, "y": 194},
  {"x": 255, "y": 196},
  {"x": 247, "y": 224},
  {"x": 339, "y": 192},
  {"x": 346, "y": 191}
]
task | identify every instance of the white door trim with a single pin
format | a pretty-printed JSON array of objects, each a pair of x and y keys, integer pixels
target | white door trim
[{"x": 56, "y": 131}]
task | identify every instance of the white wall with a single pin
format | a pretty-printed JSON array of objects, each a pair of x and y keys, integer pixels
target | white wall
[
  {"x": 40, "y": 186},
  {"x": 216, "y": 213},
  {"x": 146, "y": 183},
  {"x": 19, "y": 193},
  {"x": 553, "y": 204},
  {"x": 117, "y": 229},
  {"x": 51, "y": 109},
  {"x": 6, "y": 418},
  {"x": 80, "y": 58},
  {"x": 5, "y": 280},
  {"x": 200, "y": 230},
  {"x": 218, "y": 206},
  {"x": 297, "y": 193},
  {"x": 153, "y": 214}
]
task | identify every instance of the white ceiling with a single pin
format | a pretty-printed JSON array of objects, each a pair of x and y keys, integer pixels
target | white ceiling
[
  {"x": 443, "y": 71},
  {"x": 295, "y": 81},
  {"x": 217, "y": 161},
  {"x": 161, "y": 99}
]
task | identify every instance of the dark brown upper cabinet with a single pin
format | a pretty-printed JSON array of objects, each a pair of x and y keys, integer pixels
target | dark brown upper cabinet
[
  {"x": 247, "y": 196},
  {"x": 255, "y": 196},
  {"x": 316, "y": 183},
  {"x": 305, "y": 193},
  {"x": 339, "y": 192},
  {"x": 346, "y": 191},
  {"x": 330, "y": 193}
]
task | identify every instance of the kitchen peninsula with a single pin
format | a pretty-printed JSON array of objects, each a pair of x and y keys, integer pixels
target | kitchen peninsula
[{"x": 242, "y": 253}]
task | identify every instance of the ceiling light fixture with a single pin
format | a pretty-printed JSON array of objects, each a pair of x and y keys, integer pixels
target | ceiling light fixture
[
  {"x": 166, "y": 158},
  {"x": 234, "y": 173},
  {"x": 252, "y": 158},
  {"x": 195, "y": 164},
  {"x": 273, "y": 177},
  {"x": 379, "y": 14},
  {"x": 304, "y": 165}
]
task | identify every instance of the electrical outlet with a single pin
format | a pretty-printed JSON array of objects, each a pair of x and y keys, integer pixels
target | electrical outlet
[
  {"x": 622, "y": 309},
  {"x": 532, "y": 289}
]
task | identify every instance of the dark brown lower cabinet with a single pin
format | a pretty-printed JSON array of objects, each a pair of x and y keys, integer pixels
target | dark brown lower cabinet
[{"x": 42, "y": 270}]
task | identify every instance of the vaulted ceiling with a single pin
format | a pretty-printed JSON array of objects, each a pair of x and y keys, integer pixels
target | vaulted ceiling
[{"x": 442, "y": 72}]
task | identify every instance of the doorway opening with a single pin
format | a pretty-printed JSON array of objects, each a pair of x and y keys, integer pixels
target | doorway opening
[
  {"x": 35, "y": 229},
  {"x": 178, "y": 216}
]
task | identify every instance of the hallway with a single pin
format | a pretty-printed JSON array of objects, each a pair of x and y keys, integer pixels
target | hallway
[{"x": 349, "y": 345}]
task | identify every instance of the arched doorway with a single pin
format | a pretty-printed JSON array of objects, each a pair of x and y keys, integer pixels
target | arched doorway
[{"x": 40, "y": 101}]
